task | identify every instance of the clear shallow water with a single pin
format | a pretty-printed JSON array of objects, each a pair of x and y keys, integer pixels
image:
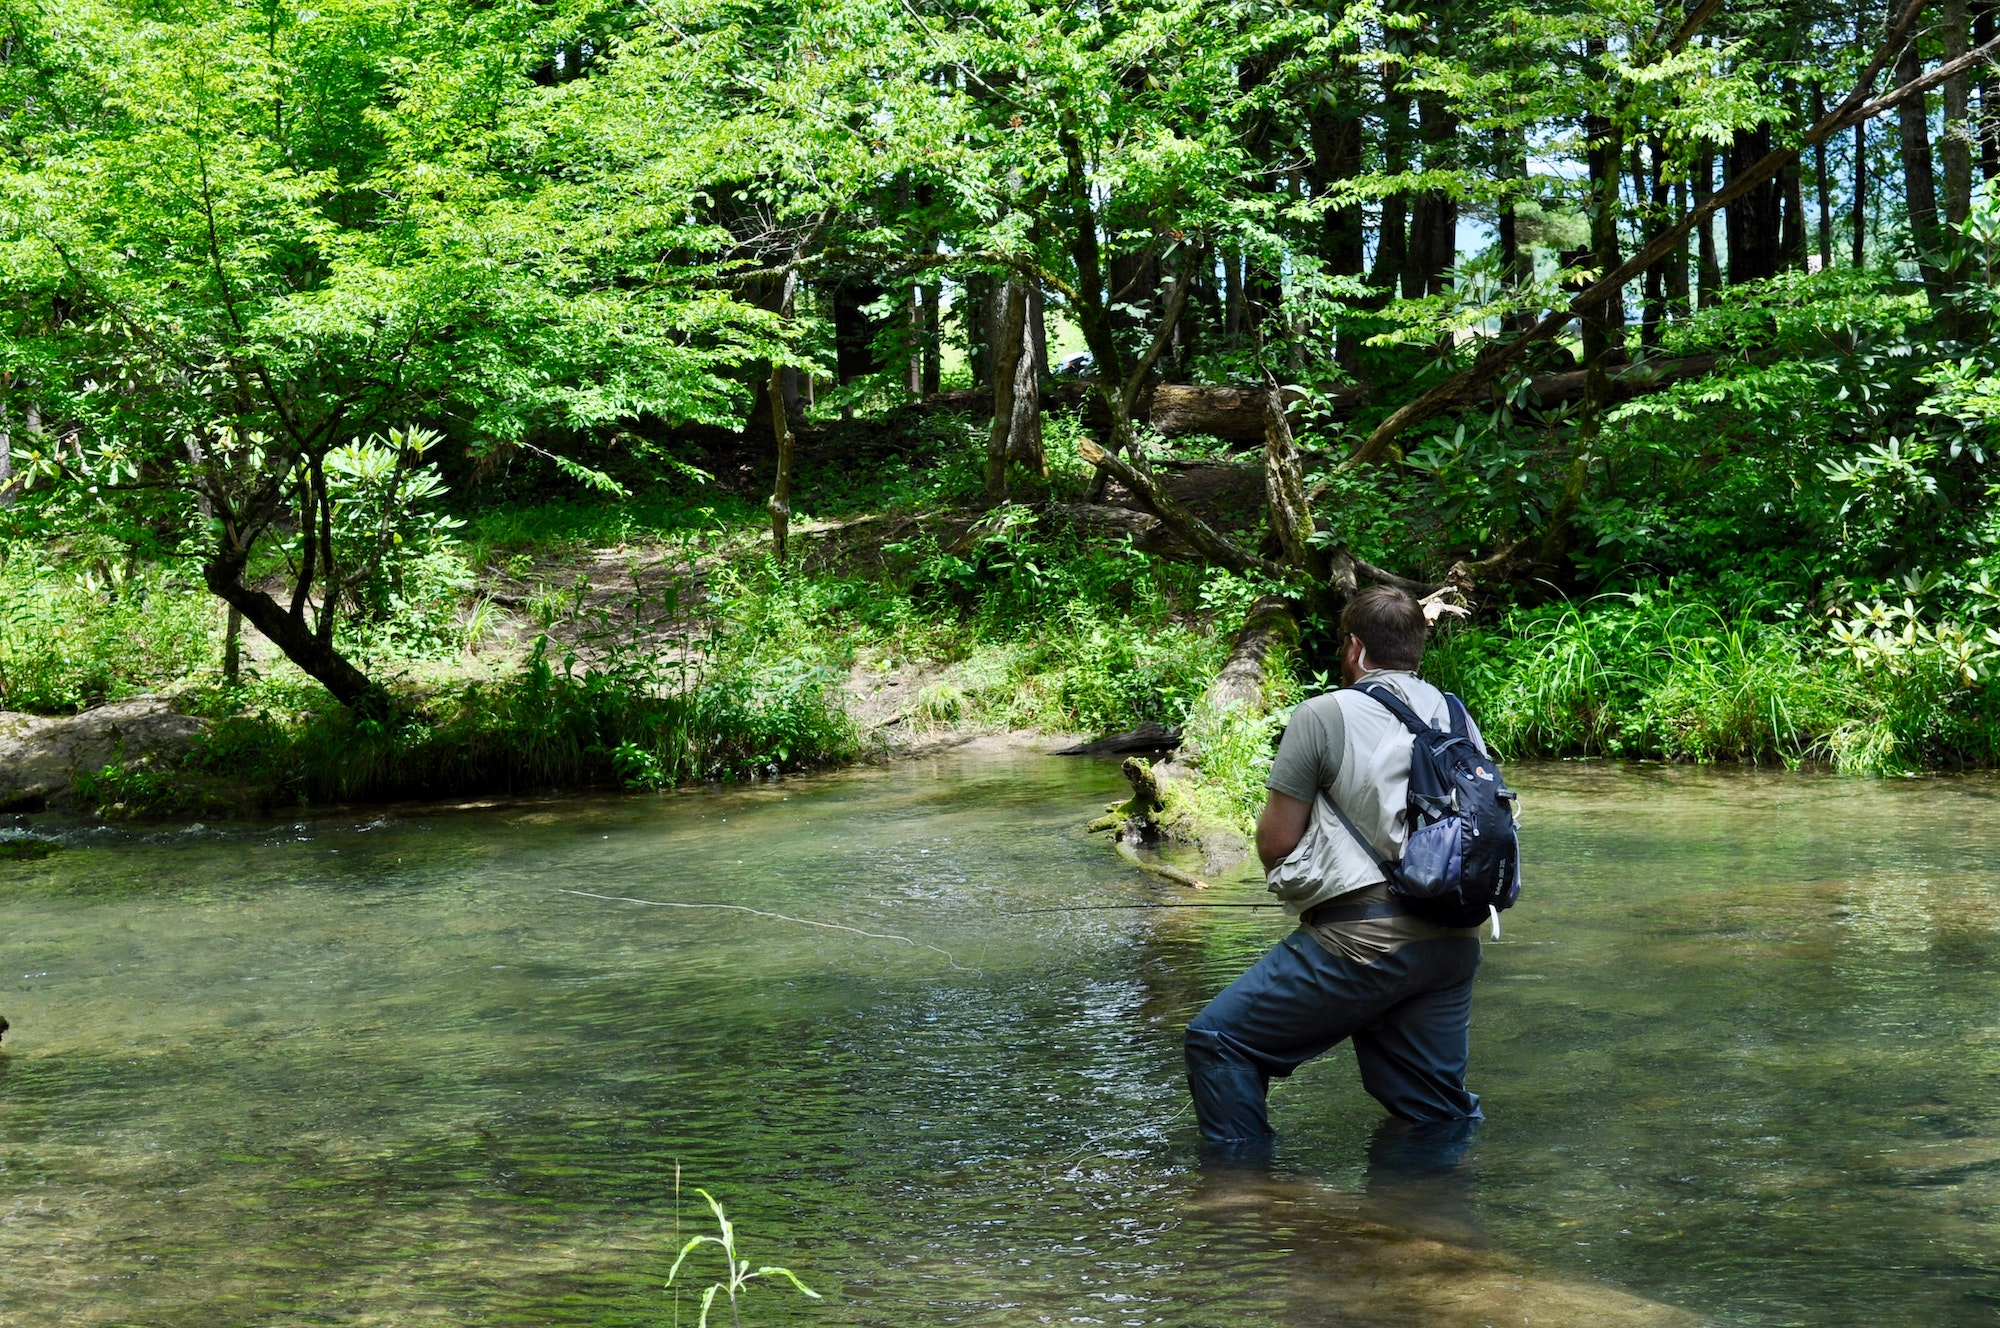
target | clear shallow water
[{"x": 1740, "y": 1049}]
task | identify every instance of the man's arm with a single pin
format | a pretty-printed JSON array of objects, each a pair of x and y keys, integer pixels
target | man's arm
[{"x": 1281, "y": 827}]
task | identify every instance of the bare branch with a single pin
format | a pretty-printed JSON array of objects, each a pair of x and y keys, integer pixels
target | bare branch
[
  {"x": 1169, "y": 318},
  {"x": 1193, "y": 531}
]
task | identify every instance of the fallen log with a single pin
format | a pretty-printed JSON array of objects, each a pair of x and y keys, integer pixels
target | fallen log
[
  {"x": 1198, "y": 534},
  {"x": 1148, "y": 737},
  {"x": 1272, "y": 624},
  {"x": 1236, "y": 414}
]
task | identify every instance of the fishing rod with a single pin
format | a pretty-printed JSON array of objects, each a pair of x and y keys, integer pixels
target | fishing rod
[{"x": 1100, "y": 908}]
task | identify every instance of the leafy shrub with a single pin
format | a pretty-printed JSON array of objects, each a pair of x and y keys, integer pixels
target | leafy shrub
[{"x": 69, "y": 641}]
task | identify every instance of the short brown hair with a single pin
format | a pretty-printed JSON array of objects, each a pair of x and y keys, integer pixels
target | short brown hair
[{"x": 1390, "y": 624}]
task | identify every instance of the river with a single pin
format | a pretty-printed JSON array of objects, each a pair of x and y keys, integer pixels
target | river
[{"x": 1739, "y": 1047}]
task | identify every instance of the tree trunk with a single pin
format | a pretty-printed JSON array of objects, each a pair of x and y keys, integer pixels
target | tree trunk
[
  {"x": 1859, "y": 215},
  {"x": 1677, "y": 261},
  {"x": 1197, "y": 324},
  {"x": 1650, "y": 183},
  {"x": 1792, "y": 230},
  {"x": 853, "y": 330},
  {"x": 232, "y": 647},
  {"x": 1291, "y": 514},
  {"x": 1919, "y": 184},
  {"x": 780, "y": 501},
  {"x": 1708, "y": 271},
  {"x": 1336, "y": 138},
  {"x": 1823, "y": 185},
  {"x": 1792, "y": 204},
  {"x": 1135, "y": 291},
  {"x": 1392, "y": 237},
  {"x": 1336, "y": 147},
  {"x": 1235, "y": 319},
  {"x": 933, "y": 339},
  {"x": 1010, "y": 348},
  {"x": 1038, "y": 329},
  {"x": 1604, "y": 327},
  {"x": 1989, "y": 92},
  {"x": 1955, "y": 150},
  {"x": 1024, "y": 432},
  {"x": 1434, "y": 220},
  {"x": 312, "y": 651},
  {"x": 1510, "y": 154},
  {"x": 1753, "y": 224},
  {"x": 978, "y": 297},
  {"x": 1602, "y": 338}
]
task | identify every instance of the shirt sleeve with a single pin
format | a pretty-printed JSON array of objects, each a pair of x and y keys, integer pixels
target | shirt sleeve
[{"x": 1309, "y": 754}]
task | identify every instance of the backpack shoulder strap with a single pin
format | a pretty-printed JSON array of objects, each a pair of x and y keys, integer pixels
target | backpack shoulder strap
[
  {"x": 1461, "y": 723},
  {"x": 1354, "y": 831},
  {"x": 1395, "y": 706}
]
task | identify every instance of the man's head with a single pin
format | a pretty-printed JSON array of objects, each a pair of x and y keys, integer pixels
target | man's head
[{"x": 1384, "y": 629}]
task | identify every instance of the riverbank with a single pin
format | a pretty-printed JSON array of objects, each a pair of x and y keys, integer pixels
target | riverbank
[
  {"x": 718, "y": 665},
  {"x": 656, "y": 640}
]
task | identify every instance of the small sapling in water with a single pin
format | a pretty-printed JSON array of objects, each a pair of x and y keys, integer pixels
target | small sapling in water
[{"x": 739, "y": 1274}]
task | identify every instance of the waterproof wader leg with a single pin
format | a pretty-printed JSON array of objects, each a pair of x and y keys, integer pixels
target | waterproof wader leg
[
  {"x": 1300, "y": 1000},
  {"x": 1413, "y": 1057}
]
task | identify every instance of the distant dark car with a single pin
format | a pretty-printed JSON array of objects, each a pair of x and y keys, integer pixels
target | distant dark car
[{"x": 1080, "y": 365}]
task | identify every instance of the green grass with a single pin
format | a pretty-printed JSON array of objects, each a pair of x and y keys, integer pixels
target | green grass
[
  {"x": 547, "y": 727},
  {"x": 1665, "y": 674},
  {"x": 72, "y": 637},
  {"x": 597, "y": 523},
  {"x": 1017, "y": 623}
]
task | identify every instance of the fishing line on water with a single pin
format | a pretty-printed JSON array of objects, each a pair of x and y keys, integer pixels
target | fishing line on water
[
  {"x": 779, "y": 917},
  {"x": 1090, "y": 1148}
]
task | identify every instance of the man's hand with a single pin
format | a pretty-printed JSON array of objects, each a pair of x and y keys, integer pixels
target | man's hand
[{"x": 1281, "y": 827}]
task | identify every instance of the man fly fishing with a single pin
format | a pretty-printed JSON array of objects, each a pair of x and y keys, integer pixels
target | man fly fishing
[{"x": 1389, "y": 831}]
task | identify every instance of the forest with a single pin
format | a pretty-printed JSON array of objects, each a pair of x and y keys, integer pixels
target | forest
[{"x": 495, "y": 396}]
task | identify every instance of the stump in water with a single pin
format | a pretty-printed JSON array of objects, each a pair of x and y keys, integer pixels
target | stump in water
[
  {"x": 1146, "y": 801},
  {"x": 1136, "y": 819}
]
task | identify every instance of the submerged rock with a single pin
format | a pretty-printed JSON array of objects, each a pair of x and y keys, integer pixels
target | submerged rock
[
  {"x": 1350, "y": 1265},
  {"x": 41, "y": 755}
]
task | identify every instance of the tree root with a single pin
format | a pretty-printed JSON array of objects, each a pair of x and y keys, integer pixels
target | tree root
[{"x": 1159, "y": 869}]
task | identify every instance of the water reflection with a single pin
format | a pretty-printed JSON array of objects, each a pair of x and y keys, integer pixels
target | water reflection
[{"x": 1736, "y": 1053}]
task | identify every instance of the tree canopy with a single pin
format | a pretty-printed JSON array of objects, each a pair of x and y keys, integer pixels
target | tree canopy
[{"x": 239, "y": 241}]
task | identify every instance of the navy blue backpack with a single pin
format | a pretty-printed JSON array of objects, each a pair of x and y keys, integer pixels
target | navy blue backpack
[{"x": 1462, "y": 861}]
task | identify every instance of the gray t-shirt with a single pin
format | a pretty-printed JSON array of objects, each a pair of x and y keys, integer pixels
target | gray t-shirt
[{"x": 1309, "y": 753}]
